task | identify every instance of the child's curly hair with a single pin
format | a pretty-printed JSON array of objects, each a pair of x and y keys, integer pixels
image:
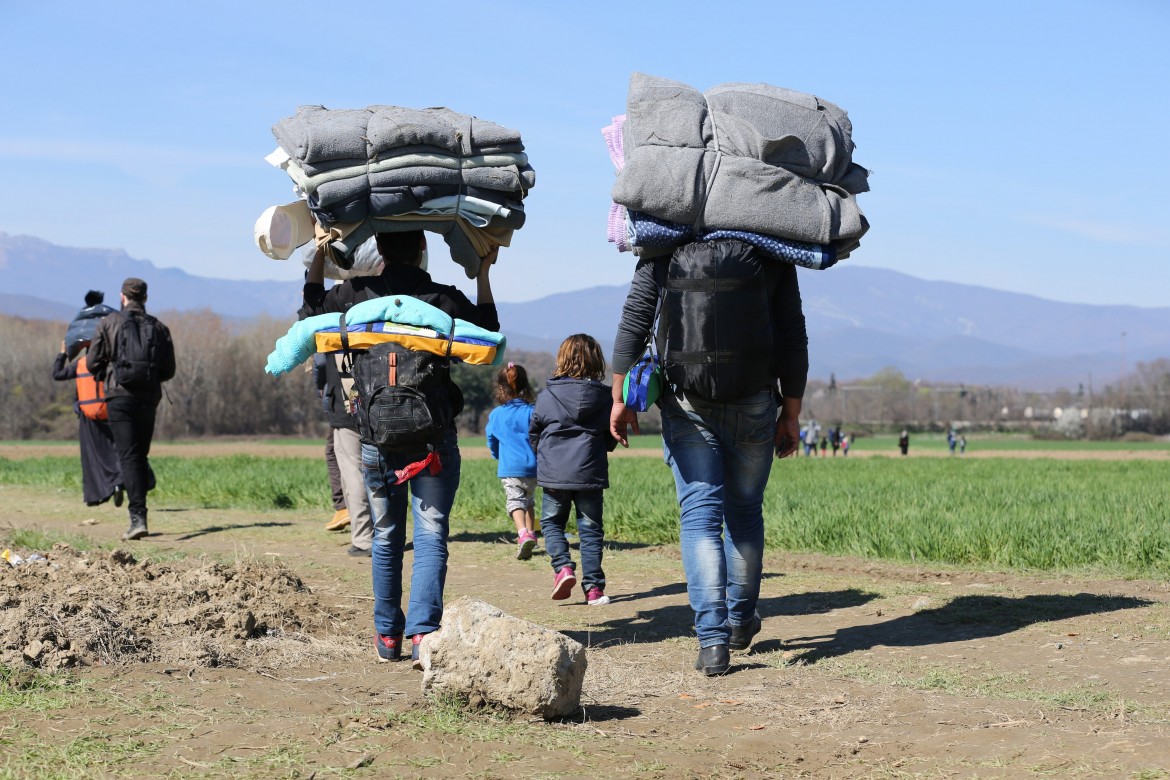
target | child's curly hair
[
  {"x": 580, "y": 357},
  {"x": 512, "y": 383}
]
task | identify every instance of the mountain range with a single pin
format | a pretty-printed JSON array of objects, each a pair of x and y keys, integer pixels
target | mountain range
[{"x": 859, "y": 319}]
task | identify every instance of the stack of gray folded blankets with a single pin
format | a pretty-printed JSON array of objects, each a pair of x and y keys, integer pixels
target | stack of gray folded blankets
[
  {"x": 393, "y": 169},
  {"x": 741, "y": 157}
]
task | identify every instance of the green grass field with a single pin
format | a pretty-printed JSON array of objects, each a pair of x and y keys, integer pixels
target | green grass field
[{"x": 1106, "y": 517}]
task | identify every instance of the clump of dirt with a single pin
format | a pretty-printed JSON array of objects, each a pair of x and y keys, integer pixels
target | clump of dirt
[{"x": 81, "y": 608}]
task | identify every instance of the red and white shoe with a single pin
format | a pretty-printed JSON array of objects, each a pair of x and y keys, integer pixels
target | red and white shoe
[
  {"x": 563, "y": 583},
  {"x": 595, "y": 597},
  {"x": 525, "y": 545}
]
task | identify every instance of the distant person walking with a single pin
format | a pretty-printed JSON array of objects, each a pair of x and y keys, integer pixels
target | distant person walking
[
  {"x": 962, "y": 444},
  {"x": 101, "y": 471},
  {"x": 340, "y": 519},
  {"x": 904, "y": 442},
  {"x": 824, "y": 446},
  {"x": 570, "y": 434},
  {"x": 846, "y": 441},
  {"x": 835, "y": 439},
  {"x": 507, "y": 438},
  {"x": 132, "y": 354}
]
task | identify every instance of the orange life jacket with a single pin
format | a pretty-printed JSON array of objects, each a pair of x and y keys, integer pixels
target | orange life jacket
[{"x": 91, "y": 396}]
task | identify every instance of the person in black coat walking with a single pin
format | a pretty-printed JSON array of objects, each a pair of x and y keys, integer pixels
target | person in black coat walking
[{"x": 132, "y": 409}]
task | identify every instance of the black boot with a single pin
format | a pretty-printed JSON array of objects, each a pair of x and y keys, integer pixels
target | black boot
[
  {"x": 741, "y": 636},
  {"x": 713, "y": 661},
  {"x": 137, "y": 528}
]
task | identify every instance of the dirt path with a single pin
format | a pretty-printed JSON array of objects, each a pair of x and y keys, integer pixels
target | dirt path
[{"x": 862, "y": 670}]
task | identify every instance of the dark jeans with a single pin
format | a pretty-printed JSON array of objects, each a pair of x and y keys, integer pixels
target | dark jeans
[
  {"x": 553, "y": 519},
  {"x": 132, "y": 423}
]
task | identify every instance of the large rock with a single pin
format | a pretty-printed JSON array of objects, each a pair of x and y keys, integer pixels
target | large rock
[{"x": 482, "y": 654}]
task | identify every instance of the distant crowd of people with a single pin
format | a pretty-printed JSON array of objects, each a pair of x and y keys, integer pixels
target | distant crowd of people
[{"x": 811, "y": 436}]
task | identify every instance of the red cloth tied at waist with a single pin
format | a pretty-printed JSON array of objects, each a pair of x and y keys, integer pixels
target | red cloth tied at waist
[{"x": 431, "y": 461}]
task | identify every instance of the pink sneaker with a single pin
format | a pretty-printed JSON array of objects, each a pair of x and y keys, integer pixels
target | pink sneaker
[
  {"x": 563, "y": 583},
  {"x": 595, "y": 597},
  {"x": 524, "y": 545}
]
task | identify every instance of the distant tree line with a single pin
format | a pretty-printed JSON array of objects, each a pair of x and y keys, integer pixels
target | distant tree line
[
  {"x": 220, "y": 389},
  {"x": 1140, "y": 403}
]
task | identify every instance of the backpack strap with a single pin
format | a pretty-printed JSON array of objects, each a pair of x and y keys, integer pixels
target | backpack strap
[
  {"x": 346, "y": 357},
  {"x": 663, "y": 320}
]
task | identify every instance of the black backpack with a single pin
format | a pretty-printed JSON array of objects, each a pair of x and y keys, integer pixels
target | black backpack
[
  {"x": 139, "y": 356},
  {"x": 715, "y": 324},
  {"x": 403, "y": 399}
]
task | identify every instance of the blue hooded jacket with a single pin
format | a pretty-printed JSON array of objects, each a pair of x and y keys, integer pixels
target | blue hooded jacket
[{"x": 507, "y": 438}]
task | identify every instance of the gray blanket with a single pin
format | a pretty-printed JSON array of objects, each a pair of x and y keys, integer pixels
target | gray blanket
[
  {"x": 359, "y": 163},
  {"x": 505, "y": 179},
  {"x": 741, "y": 157},
  {"x": 316, "y": 135}
]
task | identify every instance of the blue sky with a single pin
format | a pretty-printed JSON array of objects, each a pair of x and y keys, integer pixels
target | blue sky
[{"x": 1014, "y": 145}]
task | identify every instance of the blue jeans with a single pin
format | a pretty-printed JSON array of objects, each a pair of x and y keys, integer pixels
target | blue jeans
[
  {"x": 721, "y": 456},
  {"x": 554, "y": 516},
  {"x": 431, "y": 498}
]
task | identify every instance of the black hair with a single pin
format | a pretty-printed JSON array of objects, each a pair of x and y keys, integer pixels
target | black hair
[{"x": 400, "y": 247}]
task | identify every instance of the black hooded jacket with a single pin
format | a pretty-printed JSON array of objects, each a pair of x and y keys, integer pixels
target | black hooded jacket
[{"x": 570, "y": 433}]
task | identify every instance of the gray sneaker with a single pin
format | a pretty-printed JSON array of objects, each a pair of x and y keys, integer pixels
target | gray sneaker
[{"x": 137, "y": 529}]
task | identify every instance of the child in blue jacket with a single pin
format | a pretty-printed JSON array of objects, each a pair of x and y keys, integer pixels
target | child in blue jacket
[{"x": 507, "y": 437}]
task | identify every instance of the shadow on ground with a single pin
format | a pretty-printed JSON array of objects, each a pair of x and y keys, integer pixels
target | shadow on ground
[
  {"x": 509, "y": 537},
  {"x": 215, "y": 529},
  {"x": 600, "y": 713},
  {"x": 962, "y": 619},
  {"x": 657, "y": 623}
]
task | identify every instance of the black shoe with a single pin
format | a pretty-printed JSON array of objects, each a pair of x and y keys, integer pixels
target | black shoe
[
  {"x": 741, "y": 636},
  {"x": 119, "y": 495},
  {"x": 357, "y": 552},
  {"x": 713, "y": 661},
  {"x": 389, "y": 647},
  {"x": 137, "y": 529}
]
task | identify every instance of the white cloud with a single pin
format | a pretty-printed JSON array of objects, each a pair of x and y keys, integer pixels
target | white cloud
[
  {"x": 156, "y": 164},
  {"x": 1097, "y": 230}
]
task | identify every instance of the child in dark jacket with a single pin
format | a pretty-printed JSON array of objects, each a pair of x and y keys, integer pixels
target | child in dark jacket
[
  {"x": 570, "y": 434},
  {"x": 507, "y": 438}
]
